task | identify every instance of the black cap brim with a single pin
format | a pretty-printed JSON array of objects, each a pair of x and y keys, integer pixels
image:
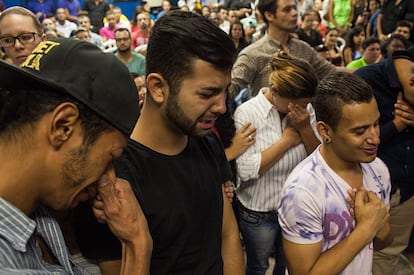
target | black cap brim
[
  {"x": 79, "y": 69},
  {"x": 407, "y": 54}
]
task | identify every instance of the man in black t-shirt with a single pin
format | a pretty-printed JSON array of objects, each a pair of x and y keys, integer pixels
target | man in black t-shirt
[
  {"x": 173, "y": 161},
  {"x": 97, "y": 10},
  {"x": 307, "y": 33}
]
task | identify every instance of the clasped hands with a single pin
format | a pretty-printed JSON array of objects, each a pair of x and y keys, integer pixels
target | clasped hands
[{"x": 369, "y": 211}]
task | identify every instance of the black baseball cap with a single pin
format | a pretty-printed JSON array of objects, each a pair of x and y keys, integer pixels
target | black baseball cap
[
  {"x": 407, "y": 54},
  {"x": 97, "y": 79},
  {"x": 78, "y": 30}
]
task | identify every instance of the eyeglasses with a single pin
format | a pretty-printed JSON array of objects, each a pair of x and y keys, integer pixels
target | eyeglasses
[
  {"x": 24, "y": 38},
  {"x": 122, "y": 39}
]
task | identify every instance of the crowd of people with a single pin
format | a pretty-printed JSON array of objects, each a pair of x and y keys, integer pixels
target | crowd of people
[
  {"x": 352, "y": 23},
  {"x": 336, "y": 29},
  {"x": 165, "y": 143}
]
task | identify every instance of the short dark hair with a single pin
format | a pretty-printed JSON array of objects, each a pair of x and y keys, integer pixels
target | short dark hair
[
  {"x": 267, "y": 6},
  {"x": 328, "y": 30},
  {"x": 21, "y": 107},
  {"x": 336, "y": 90},
  {"x": 394, "y": 36},
  {"x": 306, "y": 14},
  {"x": 404, "y": 23},
  {"x": 378, "y": 3},
  {"x": 109, "y": 12},
  {"x": 178, "y": 38},
  {"x": 84, "y": 14},
  {"x": 123, "y": 30},
  {"x": 369, "y": 41},
  {"x": 219, "y": 8}
]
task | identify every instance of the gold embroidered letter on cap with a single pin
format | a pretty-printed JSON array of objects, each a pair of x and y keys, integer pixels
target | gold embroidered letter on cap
[{"x": 33, "y": 60}]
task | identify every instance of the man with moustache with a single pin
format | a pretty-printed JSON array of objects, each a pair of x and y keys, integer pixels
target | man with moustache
[
  {"x": 62, "y": 124},
  {"x": 251, "y": 67},
  {"x": 142, "y": 34},
  {"x": 134, "y": 61},
  {"x": 175, "y": 163}
]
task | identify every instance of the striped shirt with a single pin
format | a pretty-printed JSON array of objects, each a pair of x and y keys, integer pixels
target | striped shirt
[
  {"x": 252, "y": 70},
  {"x": 19, "y": 250},
  {"x": 262, "y": 192}
]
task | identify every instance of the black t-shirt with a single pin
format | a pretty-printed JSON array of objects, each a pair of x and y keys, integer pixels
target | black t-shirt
[
  {"x": 394, "y": 13},
  {"x": 313, "y": 40},
  {"x": 96, "y": 13},
  {"x": 237, "y": 4},
  {"x": 182, "y": 200}
]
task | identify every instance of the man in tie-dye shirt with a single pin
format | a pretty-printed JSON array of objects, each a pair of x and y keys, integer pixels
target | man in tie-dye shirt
[{"x": 334, "y": 207}]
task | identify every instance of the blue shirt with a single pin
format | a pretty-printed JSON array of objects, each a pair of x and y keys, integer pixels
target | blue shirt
[
  {"x": 395, "y": 148},
  {"x": 160, "y": 14},
  {"x": 71, "y": 5},
  {"x": 373, "y": 21},
  {"x": 19, "y": 251},
  {"x": 46, "y": 7}
]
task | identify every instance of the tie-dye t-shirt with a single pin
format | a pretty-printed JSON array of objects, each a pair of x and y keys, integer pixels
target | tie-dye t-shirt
[{"x": 314, "y": 208}]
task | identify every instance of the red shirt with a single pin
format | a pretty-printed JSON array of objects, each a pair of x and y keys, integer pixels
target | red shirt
[{"x": 138, "y": 39}]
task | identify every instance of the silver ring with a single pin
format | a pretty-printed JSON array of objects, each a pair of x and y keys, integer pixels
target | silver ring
[{"x": 250, "y": 138}]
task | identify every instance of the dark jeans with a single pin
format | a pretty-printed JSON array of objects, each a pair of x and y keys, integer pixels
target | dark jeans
[{"x": 262, "y": 238}]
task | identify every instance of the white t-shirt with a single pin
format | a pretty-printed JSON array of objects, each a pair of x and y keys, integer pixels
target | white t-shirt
[
  {"x": 66, "y": 29},
  {"x": 314, "y": 208}
]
